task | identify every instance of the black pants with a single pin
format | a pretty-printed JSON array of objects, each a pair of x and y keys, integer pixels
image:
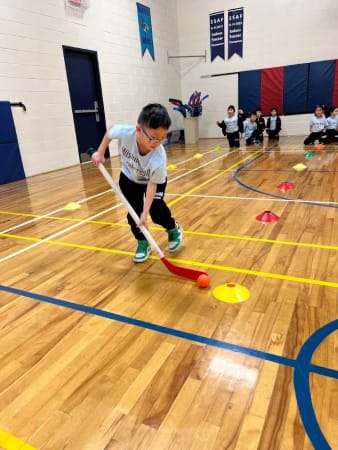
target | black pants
[
  {"x": 252, "y": 139},
  {"x": 273, "y": 134},
  {"x": 159, "y": 211},
  {"x": 233, "y": 139},
  {"x": 259, "y": 136},
  {"x": 316, "y": 136},
  {"x": 332, "y": 136}
]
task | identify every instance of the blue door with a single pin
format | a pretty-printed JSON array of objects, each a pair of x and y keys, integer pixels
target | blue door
[{"x": 86, "y": 98}]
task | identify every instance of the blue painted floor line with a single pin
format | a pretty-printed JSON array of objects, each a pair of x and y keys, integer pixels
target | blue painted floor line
[
  {"x": 302, "y": 385},
  {"x": 268, "y": 194},
  {"x": 170, "y": 331}
]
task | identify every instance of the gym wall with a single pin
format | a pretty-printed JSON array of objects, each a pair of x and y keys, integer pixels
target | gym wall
[
  {"x": 276, "y": 33},
  {"x": 32, "y": 69}
]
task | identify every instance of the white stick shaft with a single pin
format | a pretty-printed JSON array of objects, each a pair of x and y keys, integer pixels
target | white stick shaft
[{"x": 131, "y": 210}]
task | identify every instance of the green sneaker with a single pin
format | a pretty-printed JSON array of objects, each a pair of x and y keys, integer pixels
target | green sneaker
[
  {"x": 175, "y": 238},
  {"x": 142, "y": 252}
]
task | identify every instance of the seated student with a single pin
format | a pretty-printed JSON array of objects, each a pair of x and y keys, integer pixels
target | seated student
[
  {"x": 260, "y": 125},
  {"x": 250, "y": 129},
  {"x": 231, "y": 127},
  {"x": 318, "y": 126},
  {"x": 332, "y": 125},
  {"x": 274, "y": 124}
]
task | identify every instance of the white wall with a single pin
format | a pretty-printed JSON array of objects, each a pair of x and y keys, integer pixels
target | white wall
[
  {"x": 32, "y": 69},
  {"x": 276, "y": 33}
]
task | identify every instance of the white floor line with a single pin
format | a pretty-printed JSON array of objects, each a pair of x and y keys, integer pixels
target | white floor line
[
  {"x": 192, "y": 158},
  {"x": 262, "y": 199},
  {"x": 197, "y": 168},
  {"x": 54, "y": 235},
  {"x": 59, "y": 233},
  {"x": 116, "y": 206},
  {"x": 35, "y": 219}
]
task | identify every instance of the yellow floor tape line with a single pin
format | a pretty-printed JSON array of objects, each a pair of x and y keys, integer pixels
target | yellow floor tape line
[
  {"x": 10, "y": 442},
  {"x": 262, "y": 240},
  {"x": 10, "y": 213},
  {"x": 193, "y": 233},
  {"x": 185, "y": 262}
]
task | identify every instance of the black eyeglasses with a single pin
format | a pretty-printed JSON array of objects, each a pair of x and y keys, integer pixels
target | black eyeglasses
[{"x": 150, "y": 139}]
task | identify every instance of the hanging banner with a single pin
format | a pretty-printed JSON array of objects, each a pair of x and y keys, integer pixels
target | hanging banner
[
  {"x": 146, "y": 32},
  {"x": 235, "y": 32},
  {"x": 216, "y": 21}
]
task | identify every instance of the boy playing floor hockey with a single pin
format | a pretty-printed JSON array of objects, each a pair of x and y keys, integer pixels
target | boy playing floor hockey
[{"x": 143, "y": 176}]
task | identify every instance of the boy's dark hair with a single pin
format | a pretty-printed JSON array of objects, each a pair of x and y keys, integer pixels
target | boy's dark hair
[
  {"x": 330, "y": 110},
  {"x": 258, "y": 109},
  {"x": 231, "y": 107},
  {"x": 253, "y": 113},
  {"x": 274, "y": 109},
  {"x": 319, "y": 106},
  {"x": 154, "y": 116}
]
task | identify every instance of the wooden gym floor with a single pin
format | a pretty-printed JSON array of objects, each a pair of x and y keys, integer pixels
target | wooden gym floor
[{"x": 99, "y": 353}]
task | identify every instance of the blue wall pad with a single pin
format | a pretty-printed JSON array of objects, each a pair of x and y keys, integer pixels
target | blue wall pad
[
  {"x": 295, "y": 88},
  {"x": 249, "y": 88},
  {"x": 321, "y": 79},
  {"x": 11, "y": 168}
]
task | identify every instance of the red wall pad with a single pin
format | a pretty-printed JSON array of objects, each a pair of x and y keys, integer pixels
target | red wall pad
[
  {"x": 272, "y": 91},
  {"x": 335, "y": 87}
]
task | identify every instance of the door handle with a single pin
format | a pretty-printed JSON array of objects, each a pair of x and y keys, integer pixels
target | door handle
[
  {"x": 90, "y": 111},
  {"x": 85, "y": 111}
]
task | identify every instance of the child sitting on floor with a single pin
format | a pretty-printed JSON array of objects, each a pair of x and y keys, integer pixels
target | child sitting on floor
[{"x": 318, "y": 126}]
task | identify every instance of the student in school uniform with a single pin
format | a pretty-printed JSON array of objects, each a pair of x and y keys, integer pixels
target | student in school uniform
[
  {"x": 143, "y": 176},
  {"x": 260, "y": 125},
  {"x": 332, "y": 125},
  {"x": 231, "y": 126},
  {"x": 250, "y": 129},
  {"x": 241, "y": 115},
  {"x": 318, "y": 126},
  {"x": 274, "y": 124}
]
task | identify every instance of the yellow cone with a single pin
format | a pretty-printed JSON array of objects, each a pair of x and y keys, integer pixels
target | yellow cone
[
  {"x": 171, "y": 166},
  {"x": 299, "y": 167},
  {"x": 72, "y": 206},
  {"x": 198, "y": 156},
  {"x": 231, "y": 293}
]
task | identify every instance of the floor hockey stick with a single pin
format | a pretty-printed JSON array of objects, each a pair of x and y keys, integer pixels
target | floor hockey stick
[{"x": 173, "y": 268}]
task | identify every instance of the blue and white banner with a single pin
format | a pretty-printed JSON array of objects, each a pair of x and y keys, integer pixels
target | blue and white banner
[
  {"x": 216, "y": 35},
  {"x": 146, "y": 32},
  {"x": 235, "y": 32}
]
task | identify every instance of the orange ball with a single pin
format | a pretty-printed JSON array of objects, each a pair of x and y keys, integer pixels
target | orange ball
[
  {"x": 320, "y": 146},
  {"x": 203, "y": 280}
]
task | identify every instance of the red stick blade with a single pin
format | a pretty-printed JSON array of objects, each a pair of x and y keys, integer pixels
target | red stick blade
[{"x": 184, "y": 272}]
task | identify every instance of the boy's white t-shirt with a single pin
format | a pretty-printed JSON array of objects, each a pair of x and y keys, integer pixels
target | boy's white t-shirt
[
  {"x": 273, "y": 123},
  {"x": 140, "y": 169},
  {"x": 332, "y": 123},
  {"x": 231, "y": 124},
  {"x": 249, "y": 128},
  {"x": 318, "y": 123}
]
